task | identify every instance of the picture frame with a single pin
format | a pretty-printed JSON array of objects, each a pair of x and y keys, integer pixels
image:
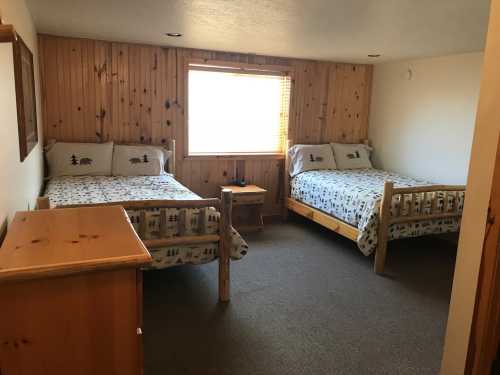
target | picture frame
[
  {"x": 24, "y": 77},
  {"x": 25, "y": 97}
]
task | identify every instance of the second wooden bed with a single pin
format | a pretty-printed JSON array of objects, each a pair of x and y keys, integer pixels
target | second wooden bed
[{"x": 398, "y": 205}]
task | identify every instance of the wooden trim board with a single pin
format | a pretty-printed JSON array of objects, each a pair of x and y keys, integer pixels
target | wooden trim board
[
  {"x": 484, "y": 342},
  {"x": 236, "y": 156},
  {"x": 323, "y": 219},
  {"x": 7, "y": 34},
  {"x": 237, "y": 67},
  {"x": 144, "y": 204},
  {"x": 183, "y": 240}
]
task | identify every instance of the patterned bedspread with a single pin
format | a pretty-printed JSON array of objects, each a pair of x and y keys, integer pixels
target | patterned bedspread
[
  {"x": 105, "y": 189},
  {"x": 354, "y": 196}
]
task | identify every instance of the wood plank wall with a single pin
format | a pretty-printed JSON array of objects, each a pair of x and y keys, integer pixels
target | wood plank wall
[{"x": 96, "y": 91}]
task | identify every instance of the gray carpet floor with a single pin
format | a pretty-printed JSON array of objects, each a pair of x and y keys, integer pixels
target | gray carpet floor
[{"x": 304, "y": 301}]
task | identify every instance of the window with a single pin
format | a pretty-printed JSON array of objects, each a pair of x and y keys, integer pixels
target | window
[{"x": 234, "y": 110}]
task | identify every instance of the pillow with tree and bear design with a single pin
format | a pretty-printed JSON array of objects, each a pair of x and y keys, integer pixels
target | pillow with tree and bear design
[
  {"x": 352, "y": 156},
  {"x": 310, "y": 157},
  {"x": 79, "y": 159},
  {"x": 139, "y": 160}
]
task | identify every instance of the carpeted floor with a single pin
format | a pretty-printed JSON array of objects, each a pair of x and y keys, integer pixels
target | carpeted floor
[{"x": 304, "y": 301}]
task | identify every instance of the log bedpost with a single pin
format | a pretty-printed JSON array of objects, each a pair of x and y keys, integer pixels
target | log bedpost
[
  {"x": 383, "y": 227},
  {"x": 225, "y": 244},
  {"x": 171, "y": 161},
  {"x": 42, "y": 203},
  {"x": 286, "y": 180}
]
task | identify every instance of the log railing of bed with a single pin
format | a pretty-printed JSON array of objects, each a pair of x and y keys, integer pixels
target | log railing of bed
[
  {"x": 425, "y": 194},
  {"x": 223, "y": 205}
]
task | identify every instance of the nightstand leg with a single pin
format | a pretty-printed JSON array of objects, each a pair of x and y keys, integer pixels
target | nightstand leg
[{"x": 261, "y": 218}]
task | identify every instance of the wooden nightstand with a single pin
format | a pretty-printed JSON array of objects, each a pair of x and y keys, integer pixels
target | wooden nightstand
[{"x": 247, "y": 207}]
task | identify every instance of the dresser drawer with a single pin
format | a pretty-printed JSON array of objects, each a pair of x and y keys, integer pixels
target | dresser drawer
[{"x": 242, "y": 199}]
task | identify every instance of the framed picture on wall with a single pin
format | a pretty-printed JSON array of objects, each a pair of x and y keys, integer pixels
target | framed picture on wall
[{"x": 25, "y": 97}]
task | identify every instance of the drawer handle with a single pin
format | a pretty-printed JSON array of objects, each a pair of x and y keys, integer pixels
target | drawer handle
[{"x": 139, "y": 332}]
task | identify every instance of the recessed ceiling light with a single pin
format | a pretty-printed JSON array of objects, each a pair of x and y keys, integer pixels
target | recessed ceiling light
[
  {"x": 375, "y": 55},
  {"x": 174, "y": 35}
]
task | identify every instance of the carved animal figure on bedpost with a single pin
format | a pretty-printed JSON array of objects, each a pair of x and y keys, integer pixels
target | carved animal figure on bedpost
[
  {"x": 383, "y": 227},
  {"x": 225, "y": 244},
  {"x": 286, "y": 180}
]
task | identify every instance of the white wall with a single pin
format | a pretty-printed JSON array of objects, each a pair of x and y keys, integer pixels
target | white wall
[
  {"x": 19, "y": 182},
  {"x": 423, "y": 126}
]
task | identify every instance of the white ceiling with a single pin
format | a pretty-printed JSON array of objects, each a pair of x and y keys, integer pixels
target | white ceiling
[{"x": 336, "y": 30}]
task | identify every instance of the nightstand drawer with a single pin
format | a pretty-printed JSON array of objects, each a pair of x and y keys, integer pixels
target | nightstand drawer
[{"x": 242, "y": 199}]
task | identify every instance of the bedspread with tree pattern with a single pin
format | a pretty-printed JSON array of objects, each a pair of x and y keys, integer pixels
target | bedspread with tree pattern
[
  {"x": 354, "y": 196},
  {"x": 75, "y": 190}
]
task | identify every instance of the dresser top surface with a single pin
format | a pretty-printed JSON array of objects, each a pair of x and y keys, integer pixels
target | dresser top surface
[{"x": 71, "y": 240}]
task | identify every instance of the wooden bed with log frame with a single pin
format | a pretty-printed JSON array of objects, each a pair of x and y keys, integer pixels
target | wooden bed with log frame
[
  {"x": 385, "y": 216},
  {"x": 222, "y": 204}
]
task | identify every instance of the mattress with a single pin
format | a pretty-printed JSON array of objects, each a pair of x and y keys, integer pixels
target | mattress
[
  {"x": 80, "y": 190},
  {"x": 354, "y": 196}
]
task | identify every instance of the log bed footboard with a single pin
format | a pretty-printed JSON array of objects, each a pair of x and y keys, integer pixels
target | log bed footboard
[
  {"x": 223, "y": 205},
  {"x": 424, "y": 194}
]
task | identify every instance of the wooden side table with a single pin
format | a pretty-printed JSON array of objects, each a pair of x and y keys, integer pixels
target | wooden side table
[
  {"x": 247, "y": 207},
  {"x": 71, "y": 292}
]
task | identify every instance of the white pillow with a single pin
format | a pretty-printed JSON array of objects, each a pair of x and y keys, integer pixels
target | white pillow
[
  {"x": 140, "y": 160},
  {"x": 352, "y": 156},
  {"x": 77, "y": 159},
  {"x": 310, "y": 157}
]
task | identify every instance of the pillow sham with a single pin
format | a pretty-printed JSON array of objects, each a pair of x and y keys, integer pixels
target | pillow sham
[
  {"x": 352, "y": 156},
  {"x": 78, "y": 159},
  {"x": 139, "y": 160},
  {"x": 310, "y": 157}
]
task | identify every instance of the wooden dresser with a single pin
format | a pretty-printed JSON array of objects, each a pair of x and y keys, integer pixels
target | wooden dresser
[{"x": 71, "y": 293}]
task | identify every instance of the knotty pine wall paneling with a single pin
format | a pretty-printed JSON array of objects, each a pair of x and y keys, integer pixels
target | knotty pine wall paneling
[{"x": 97, "y": 91}]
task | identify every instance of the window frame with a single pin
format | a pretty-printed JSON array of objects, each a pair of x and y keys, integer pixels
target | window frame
[{"x": 232, "y": 67}]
